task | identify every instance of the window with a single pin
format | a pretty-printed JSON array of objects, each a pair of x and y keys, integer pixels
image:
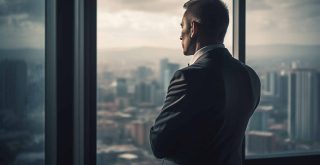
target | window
[
  {"x": 138, "y": 52},
  {"x": 126, "y": 104},
  {"x": 283, "y": 48},
  {"x": 22, "y": 82}
]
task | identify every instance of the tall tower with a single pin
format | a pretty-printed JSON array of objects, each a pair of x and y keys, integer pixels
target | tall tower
[
  {"x": 143, "y": 93},
  {"x": 163, "y": 67},
  {"x": 259, "y": 119},
  {"x": 167, "y": 70},
  {"x": 121, "y": 88},
  {"x": 272, "y": 83},
  {"x": 143, "y": 73},
  {"x": 168, "y": 74},
  {"x": 283, "y": 88},
  {"x": 13, "y": 86},
  {"x": 303, "y": 105}
]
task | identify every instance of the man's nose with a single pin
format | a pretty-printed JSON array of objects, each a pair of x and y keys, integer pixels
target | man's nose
[{"x": 180, "y": 37}]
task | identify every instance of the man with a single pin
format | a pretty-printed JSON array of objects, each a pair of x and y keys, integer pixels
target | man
[{"x": 208, "y": 103}]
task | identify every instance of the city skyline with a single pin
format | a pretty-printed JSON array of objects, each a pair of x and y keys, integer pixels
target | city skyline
[
  {"x": 268, "y": 130},
  {"x": 282, "y": 46}
]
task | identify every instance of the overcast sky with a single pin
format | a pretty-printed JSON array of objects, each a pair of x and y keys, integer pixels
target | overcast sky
[
  {"x": 283, "y": 22},
  {"x": 132, "y": 23},
  {"x": 22, "y": 23},
  {"x": 136, "y": 23}
]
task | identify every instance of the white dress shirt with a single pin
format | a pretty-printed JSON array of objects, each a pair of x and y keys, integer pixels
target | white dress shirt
[{"x": 203, "y": 51}]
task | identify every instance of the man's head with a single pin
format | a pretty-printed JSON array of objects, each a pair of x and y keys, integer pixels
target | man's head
[{"x": 204, "y": 22}]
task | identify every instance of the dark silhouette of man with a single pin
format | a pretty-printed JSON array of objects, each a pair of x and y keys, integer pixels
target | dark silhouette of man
[{"x": 209, "y": 103}]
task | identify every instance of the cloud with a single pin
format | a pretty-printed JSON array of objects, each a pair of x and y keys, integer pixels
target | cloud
[
  {"x": 297, "y": 8},
  {"x": 154, "y": 23},
  {"x": 257, "y": 5},
  {"x": 26, "y": 35},
  {"x": 34, "y": 9},
  {"x": 22, "y": 23},
  {"x": 298, "y": 3},
  {"x": 305, "y": 9},
  {"x": 135, "y": 23},
  {"x": 285, "y": 22},
  {"x": 134, "y": 28},
  {"x": 154, "y": 6}
]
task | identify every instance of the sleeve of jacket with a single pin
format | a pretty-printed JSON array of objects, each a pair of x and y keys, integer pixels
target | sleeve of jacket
[
  {"x": 256, "y": 85},
  {"x": 172, "y": 122}
]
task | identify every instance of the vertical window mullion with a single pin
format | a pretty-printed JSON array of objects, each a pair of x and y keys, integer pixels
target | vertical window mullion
[
  {"x": 50, "y": 85},
  {"x": 85, "y": 82},
  {"x": 239, "y": 29},
  {"x": 59, "y": 82},
  {"x": 90, "y": 79}
]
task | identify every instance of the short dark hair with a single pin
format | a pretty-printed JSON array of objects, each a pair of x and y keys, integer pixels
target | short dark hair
[{"x": 212, "y": 15}]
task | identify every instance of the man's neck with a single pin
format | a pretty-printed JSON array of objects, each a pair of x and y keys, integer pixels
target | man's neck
[{"x": 200, "y": 45}]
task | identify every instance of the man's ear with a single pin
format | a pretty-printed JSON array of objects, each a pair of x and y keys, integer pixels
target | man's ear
[{"x": 194, "y": 29}]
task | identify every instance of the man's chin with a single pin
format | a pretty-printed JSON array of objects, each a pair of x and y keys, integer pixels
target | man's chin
[{"x": 187, "y": 54}]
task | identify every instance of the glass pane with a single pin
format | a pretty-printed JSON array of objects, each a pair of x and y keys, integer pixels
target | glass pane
[
  {"x": 283, "y": 47},
  {"x": 22, "y": 82},
  {"x": 138, "y": 51}
]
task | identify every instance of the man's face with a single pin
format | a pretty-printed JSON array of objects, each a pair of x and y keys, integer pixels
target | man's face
[{"x": 187, "y": 41}]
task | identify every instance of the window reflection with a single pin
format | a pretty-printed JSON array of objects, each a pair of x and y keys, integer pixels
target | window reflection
[{"x": 22, "y": 82}]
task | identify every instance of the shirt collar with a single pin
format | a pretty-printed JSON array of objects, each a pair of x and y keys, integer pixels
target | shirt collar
[{"x": 203, "y": 51}]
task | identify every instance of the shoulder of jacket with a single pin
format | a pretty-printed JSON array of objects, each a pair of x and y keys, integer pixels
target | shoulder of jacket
[
  {"x": 253, "y": 75},
  {"x": 191, "y": 70},
  {"x": 192, "y": 74}
]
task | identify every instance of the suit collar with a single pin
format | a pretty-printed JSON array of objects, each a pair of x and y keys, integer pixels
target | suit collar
[
  {"x": 214, "y": 53},
  {"x": 203, "y": 51}
]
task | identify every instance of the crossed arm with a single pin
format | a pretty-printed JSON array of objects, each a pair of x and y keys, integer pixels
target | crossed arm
[{"x": 172, "y": 122}]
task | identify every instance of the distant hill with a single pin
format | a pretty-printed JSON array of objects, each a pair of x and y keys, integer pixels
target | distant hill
[
  {"x": 253, "y": 52},
  {"x": 269, "y": 56},
  {"x": 29, "y": 55},
  {"x": 151, "y": 56},
  {"x": 282, "y": 51},
  {"x": 147, "y": 56}
]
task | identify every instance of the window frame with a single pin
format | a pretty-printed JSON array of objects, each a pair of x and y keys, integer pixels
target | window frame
[
  {"x": 70, "y": 83},
  {"x": 59, "y": 82}
]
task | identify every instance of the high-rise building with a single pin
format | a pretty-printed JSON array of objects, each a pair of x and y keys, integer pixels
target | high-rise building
[
  {"x": 283, "y": 89},
  {"x": 143, "y": 93},
  {"x": 121, "y": 87},
  {"x": 143, "y": 73},
  {"x": 260, "y": 142},
  {"x": 263, "y": 82},
  {"x": 13, "y": 86},
  {"x": 303, "y": 105},
  {"x": 163, "y": 66},
  {"x": 272, "y": 83},
  {"x": 139, "y": 131},
  {"x": 259, "y": 120},
  {"x": 156, "y": 97},
  {"x": 148, "y": 94},
  {"x": 167, "y": 70}
]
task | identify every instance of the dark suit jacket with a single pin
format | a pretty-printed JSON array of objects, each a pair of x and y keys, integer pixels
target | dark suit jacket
[{"x": 206, "y": 112}]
